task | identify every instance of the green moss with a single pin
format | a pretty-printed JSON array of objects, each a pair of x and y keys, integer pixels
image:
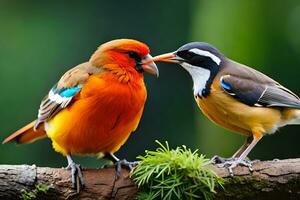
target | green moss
[
  {"x": 251, "y": 186},
  {"x": 175, "y": 174},
  {"x": 26, "y": 195},
  {"x": 31, "y": 195},
  {"x": 42, "y": 188}
]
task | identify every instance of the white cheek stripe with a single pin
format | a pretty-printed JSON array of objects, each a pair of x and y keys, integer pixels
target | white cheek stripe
[{"x": 206, "y": 54}]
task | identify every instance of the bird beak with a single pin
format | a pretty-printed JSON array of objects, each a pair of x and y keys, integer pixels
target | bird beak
[
  {"x": 149, "y": 66},
  {"x": 168, "y": 57}
]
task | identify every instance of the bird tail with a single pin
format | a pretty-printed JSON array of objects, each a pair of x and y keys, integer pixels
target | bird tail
[{"x": 26, "y": 134}]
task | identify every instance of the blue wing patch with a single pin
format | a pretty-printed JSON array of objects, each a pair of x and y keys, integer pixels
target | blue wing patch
[
  {"x": 56, "y": 100},
  {"x": 69, "y": 92},
  {"x": 65, "y": 92},
  {"x": 225, "y": 86},
  {"x": 62, "y": 96}
]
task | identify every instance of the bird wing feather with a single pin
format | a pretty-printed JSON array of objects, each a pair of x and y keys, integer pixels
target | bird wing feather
[
  {"x": 255, "y": 88},
  {"x": 254, "y": 92},
  {"x": 62, "y": 93}
]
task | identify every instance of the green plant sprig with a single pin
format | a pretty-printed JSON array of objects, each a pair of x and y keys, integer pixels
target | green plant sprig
[
  {"x": 175, "y": 174},
  {"x": 33, "y": 194}
]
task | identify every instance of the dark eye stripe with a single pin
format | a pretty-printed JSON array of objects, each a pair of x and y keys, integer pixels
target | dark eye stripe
[{"x": 186, "y": 54}]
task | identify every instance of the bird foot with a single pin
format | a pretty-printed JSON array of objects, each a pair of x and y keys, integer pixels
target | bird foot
[
  {"x": 77, "y": 176},
  {"x": 232, "y": 163},
  {"x": 118, "y": 166}
]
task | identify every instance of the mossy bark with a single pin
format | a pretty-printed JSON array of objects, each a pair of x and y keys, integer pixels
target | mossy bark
[
  {"x": 270, "y": 180},
  {"x": 278, "y": 179}
]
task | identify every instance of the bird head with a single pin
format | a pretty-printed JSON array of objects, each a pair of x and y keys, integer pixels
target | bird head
[
  {"x": 126, "y": 54},
  {"x": 195, "y": 54},
  {"x": 201, "y": 60}
]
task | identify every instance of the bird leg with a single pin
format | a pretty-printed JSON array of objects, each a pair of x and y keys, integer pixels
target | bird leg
[
  {"x": 219, "y": 160},
  {"x": 76, "y": 171},
  {"x": 119, "y": 163},
  {"x": 243, "y": 147},
  {"x": 239, "y": 158}
]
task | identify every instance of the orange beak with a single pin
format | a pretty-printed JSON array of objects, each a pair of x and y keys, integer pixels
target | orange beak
[
  {"x": 149, "y": 66},
  {"x": 168, "y": 57}
]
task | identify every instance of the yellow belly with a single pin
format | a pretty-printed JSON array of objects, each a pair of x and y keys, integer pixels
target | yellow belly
[
  {"x": 229, "y": 113},
  {"x": 71, "y": 135}
]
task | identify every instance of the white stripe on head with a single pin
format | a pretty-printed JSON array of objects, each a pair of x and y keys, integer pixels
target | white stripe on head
[{"x": 215, "y": 58}]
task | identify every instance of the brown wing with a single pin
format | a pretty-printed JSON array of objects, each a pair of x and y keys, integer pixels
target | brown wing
[
  {"x": 256, "y": 89},
  {"x": 63, "y": 92}
]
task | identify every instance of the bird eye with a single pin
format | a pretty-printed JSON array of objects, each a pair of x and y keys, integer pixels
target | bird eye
[{"x": 134, "y": 55}]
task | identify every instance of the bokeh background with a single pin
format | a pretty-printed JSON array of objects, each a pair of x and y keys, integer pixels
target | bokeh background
[{"x": 40, "y": 40}]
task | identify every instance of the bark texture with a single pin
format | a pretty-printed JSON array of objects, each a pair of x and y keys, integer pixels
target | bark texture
[
  {"x": 271, "y": 180},
  {"x": 16, "y": 180}
]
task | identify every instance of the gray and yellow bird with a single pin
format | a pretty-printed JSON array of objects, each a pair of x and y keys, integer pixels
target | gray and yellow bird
[{"x": 235, "y": 96}]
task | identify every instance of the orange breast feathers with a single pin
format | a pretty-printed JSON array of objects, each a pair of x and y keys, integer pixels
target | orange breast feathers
[
  {"x": 102, "y": 117},
  {"x": 231, "y": 114}
]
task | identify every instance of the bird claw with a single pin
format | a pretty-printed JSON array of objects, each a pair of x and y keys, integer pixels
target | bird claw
[
  {"x": 232, "y": 163},
  {"x": 77, "y": 176},
  {"x": 217, "y": 159},
  {"x": 118, "y": 166}
]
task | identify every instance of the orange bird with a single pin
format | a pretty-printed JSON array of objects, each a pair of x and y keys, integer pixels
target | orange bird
[{"x": 95, "y": 106}]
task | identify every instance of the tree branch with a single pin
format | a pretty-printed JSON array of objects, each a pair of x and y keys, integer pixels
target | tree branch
[
  {"x": 270, "y": 180},
  {"x": 278, "y": 179},
  {"x": 100, "y": 184}
]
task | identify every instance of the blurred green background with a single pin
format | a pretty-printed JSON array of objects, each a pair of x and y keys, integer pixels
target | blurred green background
[{"x": 40, "y": 40}]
